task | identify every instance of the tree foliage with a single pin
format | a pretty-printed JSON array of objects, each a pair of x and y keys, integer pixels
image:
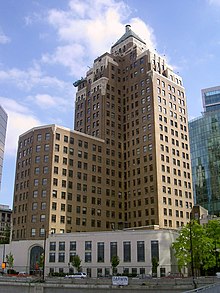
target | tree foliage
[
  {"x": 76, "y": 262},
  {"x": 6, "y": 235},
  {"x": 204, "y": 242},
  {"x": 114, "y": 262},
  {"x": 10, "y": 260},
  {"x": 155, "y": 264}
]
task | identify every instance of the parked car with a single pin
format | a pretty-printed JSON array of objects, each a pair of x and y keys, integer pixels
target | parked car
[
  {"x": 23, "y": 274},
  {"x": 77, "y": 275},
  {"x": 144, "y": 276},
  {"x": 174, "y": 275},
  {"x": 218, "y": 274}
]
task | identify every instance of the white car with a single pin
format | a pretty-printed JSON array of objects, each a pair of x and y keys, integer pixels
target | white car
[{"x": 77, "y": 275}]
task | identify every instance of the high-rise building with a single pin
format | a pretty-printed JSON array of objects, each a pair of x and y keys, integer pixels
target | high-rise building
[
  {"x": 136, "y": 103},
  {"x": 3, "y": 126},
  {"x": 129, "y": 165},
  {"x": 5, "y": 223},
  {"x": 205, "y": 152}
]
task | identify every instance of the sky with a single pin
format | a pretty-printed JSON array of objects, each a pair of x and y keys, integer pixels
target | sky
[{"x": 47, "y": 45}]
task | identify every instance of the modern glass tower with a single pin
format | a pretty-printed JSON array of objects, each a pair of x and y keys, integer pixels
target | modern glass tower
[
  {"x": 3, "y": 125},
  {"x": 205, "y": 152}
]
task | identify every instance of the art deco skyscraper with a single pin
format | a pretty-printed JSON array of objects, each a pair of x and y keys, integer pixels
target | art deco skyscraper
[
  {"x": 137, "y": 104},
  {"x": 126, "y": 164}
]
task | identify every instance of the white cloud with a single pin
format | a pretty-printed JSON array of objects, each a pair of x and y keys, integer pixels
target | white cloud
[
  {"x": 3, "y": 38},
  {"x": 70, "y": 56},
  {"x": 88, "y": 29},
  {"x": 32, "y": 77},
  {"x": 20, "y": 119},
  {"x": 46, "y": 101}
]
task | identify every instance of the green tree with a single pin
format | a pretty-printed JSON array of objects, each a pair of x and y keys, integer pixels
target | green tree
[
  {"x": 76, "y": 262},
  {"x": 213, "y": 232},
  {"x": 41, "y": 261},
  {"x": 193, "y": 236},
  {"x": 114, "y": 262},
  {"x": 155, "y": 264},
  {"x": 10, "y": 260}
]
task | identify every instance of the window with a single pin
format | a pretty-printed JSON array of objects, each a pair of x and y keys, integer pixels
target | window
[
  {"x": 155, "y": 250},
  {"x": 44, "y": 181},
  {"x": 88, "y": 256},
  {"x": 34, "y": 206},
  {"x": 52, "y": 246},
  {"x": 140, "y": 251},
  {"x": 88, "y": 245},
  {"x": 72, "y": 245},
  {"x": 57, "y": 147},
  {"x": 53, "y": 218},
  {"x": 36, "y": 181},
  {"x": 113, "y": 249},
  {"x": 54, "y": 206},
  {"x": 44, "y": 193},
  {"x": 127, "y": 251},
  {"x": 46, "y": 147},
  {"x": 62, "y": 219},
  {"x": 100, "y": 251},
  {"x": 42, "y": 232},
  {"x": 33, "y": 232},
  {"x": 61, "y": 257},
  {"x": 51, "y": 257},
  {"x": 42, "y": 218},
  {"x": 37, "y": 159},
  {"x": 61, "y": 246},
  {"x": 46, "y": 158},
  {"x": 34, "y": 219},
  {"x": 35, "y": 193},
  {"x": 45, "y": 170},
  {"x": 39, "y": 137},
  {"x": 43, "y": 205}
]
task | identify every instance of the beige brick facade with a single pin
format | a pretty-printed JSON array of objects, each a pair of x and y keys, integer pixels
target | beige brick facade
[{"x": 128, "y": 162}]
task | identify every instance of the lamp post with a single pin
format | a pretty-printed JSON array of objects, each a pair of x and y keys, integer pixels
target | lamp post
[
  {"x": 44, "y": 255},
  {"x": 191, "y": 253},
  {"x": 216, "y": 257}
]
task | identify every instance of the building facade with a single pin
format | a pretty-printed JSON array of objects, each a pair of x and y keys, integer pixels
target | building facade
[
  {"x": 205, "y": 144},
  {"x": 127, "y": 164},
  {"x": 135, "y": 249},
  {"x": 137, "y": 104},
  {"x": 59, "y": 185},
  {"x": 3, "y": 126},
  {"x": 5, "y": 222}
]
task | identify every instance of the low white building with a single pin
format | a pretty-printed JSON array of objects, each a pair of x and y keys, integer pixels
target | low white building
[{"x": 135, "y": 249}]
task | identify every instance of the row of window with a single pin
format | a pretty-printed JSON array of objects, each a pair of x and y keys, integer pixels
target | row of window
[{"x": 141, "y": 250}]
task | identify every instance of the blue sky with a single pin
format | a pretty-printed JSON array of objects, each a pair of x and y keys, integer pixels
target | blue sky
[{"x": 46, "y": 45}]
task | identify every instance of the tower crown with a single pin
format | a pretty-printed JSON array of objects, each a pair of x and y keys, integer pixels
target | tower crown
[{"x": 128, "y": 33}]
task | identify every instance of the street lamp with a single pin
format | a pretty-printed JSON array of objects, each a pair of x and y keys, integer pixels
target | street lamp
[
  {"x": 216, "y": 257},
  {"x": 191, "y": 253},
  {"x": 44, "y": 255}
]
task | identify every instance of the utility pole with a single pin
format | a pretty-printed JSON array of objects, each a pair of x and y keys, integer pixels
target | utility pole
[
  {"x": 191, "y": 253},
  {"x": 44, "y": 256}
]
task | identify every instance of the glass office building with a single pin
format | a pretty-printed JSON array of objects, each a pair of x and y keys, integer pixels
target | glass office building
[
  {"x": 3, "y": 125},
  {"x": 205, "y": 152}
]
